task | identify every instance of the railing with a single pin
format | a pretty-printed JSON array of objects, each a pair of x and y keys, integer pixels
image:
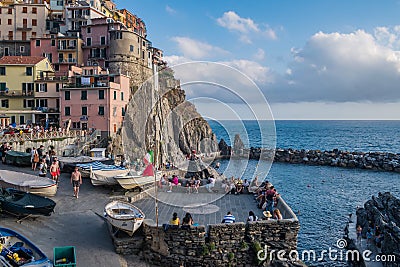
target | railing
[
  {"x": 67, "y": 60},
  {"x": 17, "y": 137},
  {"x": 11, "y": 93}
]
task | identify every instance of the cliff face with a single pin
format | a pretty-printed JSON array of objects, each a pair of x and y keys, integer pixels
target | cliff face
[{"x": 161, "y": 113}]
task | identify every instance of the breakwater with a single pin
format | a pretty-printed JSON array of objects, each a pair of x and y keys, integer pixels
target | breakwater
[{"x": 380, "y": 161}]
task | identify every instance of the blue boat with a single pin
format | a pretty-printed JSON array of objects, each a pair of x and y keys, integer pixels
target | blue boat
[{"x": 16, "y": 250}]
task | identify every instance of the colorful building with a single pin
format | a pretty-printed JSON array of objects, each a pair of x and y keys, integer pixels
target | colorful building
[
  {"x": 95, "y": 99},
  {"x": 25, "y": 96}
]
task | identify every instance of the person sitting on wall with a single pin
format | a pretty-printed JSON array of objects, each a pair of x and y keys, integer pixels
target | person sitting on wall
[
  {"x": 174, "y": 220},
  {"x": 252, "y": 217},
  {"x": 267, "y": 215},
  {"x": 239, "y": 187},
  {"x": 163, "y": 181},
  {"x": 229, "y": 218},
  {"x": 174, "y": 182},
  {"x": 187, "y": 220},
  {"x": 277, "y": 214},
  {"x": 211, "y": 183},
  {"x": 195, "y": 185}
]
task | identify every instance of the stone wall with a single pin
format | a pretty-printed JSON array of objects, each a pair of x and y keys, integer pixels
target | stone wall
[{"x": 234, "y": 244}]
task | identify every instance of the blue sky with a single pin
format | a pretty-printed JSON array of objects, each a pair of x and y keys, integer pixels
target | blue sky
[{"x": 311, "y": 59}]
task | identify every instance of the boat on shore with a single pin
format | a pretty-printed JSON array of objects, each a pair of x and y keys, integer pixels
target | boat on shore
[
  {"x": 67, "y": 164},
  {"x": 28, "y": 183},
  {"x": 17, "y": 250},
  {"x": 124, "y": 216},
  {"x": 18, "y": 158},
  {"x": 19, "y": 203},
  {"x": 132, "y": 179},
  {"x": 106, "y": 177},
  {"x": 87, "y": 168}
]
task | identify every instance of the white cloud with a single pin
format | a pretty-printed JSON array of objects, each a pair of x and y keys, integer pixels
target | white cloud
[
  {"x": 259, "y": 55},
  {"x": 339, "y": 67},
  {"x": 195, "y": 49},
  {"x": 246, "y": 27},
  {"x": 170, "y": 10},
  {"x": 255, "y": 71}
]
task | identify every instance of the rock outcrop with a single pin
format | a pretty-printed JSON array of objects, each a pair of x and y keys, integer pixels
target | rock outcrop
[
  {"x": 382, "y": 214},
  {"x": 159, "y": 118}
]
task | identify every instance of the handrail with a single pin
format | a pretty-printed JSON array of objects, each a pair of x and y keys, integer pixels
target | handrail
[{"x": 17, "y": 137}]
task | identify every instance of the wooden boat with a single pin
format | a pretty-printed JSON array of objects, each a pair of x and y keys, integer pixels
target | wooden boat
[
  {"x": 87, "y": 168},
  {"x": 105, "y": 177},
  {"x": 16, "y": 250},
  {"x": 67, "y": 164},
  {"x": 28, "y": 183},
  {"x": 133, "y": 180},
  {"x": 18, "y": 158},
  {"x": 124, "y": 216}
]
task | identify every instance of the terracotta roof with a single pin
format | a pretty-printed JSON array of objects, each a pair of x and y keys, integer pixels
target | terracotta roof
[{"x": 20, "y": 60}]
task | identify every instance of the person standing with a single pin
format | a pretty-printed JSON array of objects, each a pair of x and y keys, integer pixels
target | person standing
[
  {"x": 34, "y": 158},
  {"x": 43, "y": 168},
  {"x": 76, "y": 181},
  {"x": 53, "y": 170}
]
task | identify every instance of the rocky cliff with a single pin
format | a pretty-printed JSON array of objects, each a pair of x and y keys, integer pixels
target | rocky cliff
[{"x": 159, "y": 118}]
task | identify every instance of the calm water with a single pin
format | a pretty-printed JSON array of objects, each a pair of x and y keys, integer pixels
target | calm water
[{"x": 324, "y": 196}]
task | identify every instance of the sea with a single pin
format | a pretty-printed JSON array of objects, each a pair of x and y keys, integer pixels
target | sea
[{"x": 322, "y": 196}]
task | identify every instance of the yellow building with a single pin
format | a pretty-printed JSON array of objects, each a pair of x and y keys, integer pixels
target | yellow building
[{"x": 22, "y": 87}]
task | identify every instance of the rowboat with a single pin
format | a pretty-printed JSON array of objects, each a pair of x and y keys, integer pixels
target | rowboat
[
  {"x": 28, "y": 183},
  {"x": 16, "y": 250},
  {"x": 21, "y": 203},
  {"x": 105, "y": 177},
  {"x": 87, "y": 168},
  {"x": 132, "y": 179},
  {"x": 124, "y": 216}
]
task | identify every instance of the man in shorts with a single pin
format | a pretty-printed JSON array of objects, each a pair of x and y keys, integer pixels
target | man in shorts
[{"x": 76, "y": 181}]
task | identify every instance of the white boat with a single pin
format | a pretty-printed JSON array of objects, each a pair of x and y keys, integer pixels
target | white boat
[
  {"x": 124, "y": 216},
  {"x": 132, "y": 179},
  {"x": 105, "y": 177},
  {"x": 28, "y": 183}
]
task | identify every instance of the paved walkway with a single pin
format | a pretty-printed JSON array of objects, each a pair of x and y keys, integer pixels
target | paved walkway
[{"x": 206, "y": 208}]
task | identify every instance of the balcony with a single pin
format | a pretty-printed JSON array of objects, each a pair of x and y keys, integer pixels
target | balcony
[
  {"x": 67, "y": 60},
  {"x": 81, "y": 17},
  {"x": 101, "y": 84},
  {"x": 24, "y": 27},
  {"x": 46, "y": 109},
  {"x": 62, "y": 47},
  {"x": 53, "y": 78},
  {"x": 15, "y": 94}
]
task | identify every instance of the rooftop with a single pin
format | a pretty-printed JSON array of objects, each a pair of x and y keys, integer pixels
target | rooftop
[{"x": 20, "y": 60}]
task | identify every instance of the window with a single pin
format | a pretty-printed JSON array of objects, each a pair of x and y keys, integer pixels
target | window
[
  {"x": 115, "y": 95},
  {"x": 88, "y": 30},
  {"x": 41, "y": 102},
  {"x": 34, "y": 10},
  {"x": 122, "y": 96},
  {"x": 84, "y": 111},
  {"x": 6, "y": 49},
  {"x": 102, "y": 40},
  {"x": 101, "y": 94},
  {"x": 131, "y": 48},
  {"x": 101, "y": 110},
  {"x": 114, "y": 111},
  {"x": 2, "y": 70},
  {"x": 53, "y": 42},
  {"x": 67, "y": 95},
  {"x": 22, "y": 49},
  {"x": 34, "y": 22},
  {"x": 67, "y": 111},
  {"x": 88, "y": 41},
  {"x": 37, "y": 43},
  {"x": 3, "y": 87},
  {"x": 10, "y": 11},
  {"x": 28, "y": 71},
  {"x": 29, "y": 103},
  {"x": 13, "y": 119},
  {"x": 123, "y": 111},
  {"x": 4, "y": 103},
  {"x": 0, "y": 19},
  {"x": 41, "y": 87},
  {"x": 24, "y": 9},
  {"x": 57, "y": 87},
  {"x": 9, "y": 21},
  {"x": 28, "y": 88},
  {"x": 21, "y": 119},
  {"x": 84, "y": 95}
]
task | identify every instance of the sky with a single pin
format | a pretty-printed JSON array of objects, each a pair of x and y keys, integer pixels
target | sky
[{"x": 310, "y": 59}]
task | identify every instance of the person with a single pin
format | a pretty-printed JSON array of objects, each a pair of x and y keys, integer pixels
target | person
[
  {"x": 47, "y": 157},
  {"x": 175, "y": 219},
  {"x": 254, "y": 185},
  {"x": 187, "y": 220},
  {"x": 163, "y": 181},
  {"x": 217, "y": 165},
  {"x": 369, "y": 236},
  {"x": 196, "y": 185},
  {"x": 40, "y": 151},
  {"x": 190, "y": 185},
  {"x": 229, "y": 218},
  {"x": 277, "y": 214},
  {"x": 58, "y": 169},
  {"x": 252, "y": 217},
  {"x": 239, "y": 187},
  {"x": 34, "y": 158},
  {"x": 53, "y": 170},
  {"x": 211, "y": 183},
  {"x": 267, "y": 215},
  {"x": 246, "y": 185},
  {"x": 3, "y": 153},
  {"x": 76, "y": 181},
  {"x": 175, "y": 182},
  {"x": 359, "y": 232},
  {"x": 43, "y": 168},
  {"x": 269, "y": 197}
]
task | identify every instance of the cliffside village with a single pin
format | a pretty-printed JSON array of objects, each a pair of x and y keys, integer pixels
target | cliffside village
[{"x": 67, "y": 63}]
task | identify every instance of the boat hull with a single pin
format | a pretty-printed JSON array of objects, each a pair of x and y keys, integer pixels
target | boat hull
[
  {"x": 21, "y": 203},
  {"x": 106, "y": 177},
  {"x": 124, "y": 216},
  {"x": 35, "y": 257},
  {"x": 133, "y": 181},
  {"x": 28, "y": 183}
]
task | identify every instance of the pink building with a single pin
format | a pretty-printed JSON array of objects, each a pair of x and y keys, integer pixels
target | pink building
[{"x": 95, "y": 99}]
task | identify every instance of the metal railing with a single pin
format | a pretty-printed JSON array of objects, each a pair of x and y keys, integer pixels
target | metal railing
[{"x": 17, "y": 137}]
